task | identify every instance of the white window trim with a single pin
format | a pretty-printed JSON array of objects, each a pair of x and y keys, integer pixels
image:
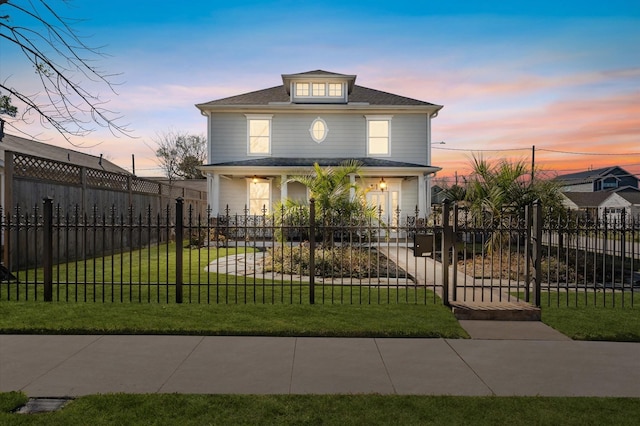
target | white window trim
[
  {"x": 378, "y": 118},
  {"x": 342, "y": 90},
  {"x": 326, "y": 90},
  {"x": 259, "y": 117},
  {"x": 326, "y": 130},
  {"x": 322, "y": 85},
  {"x": 295, "y": 89}
]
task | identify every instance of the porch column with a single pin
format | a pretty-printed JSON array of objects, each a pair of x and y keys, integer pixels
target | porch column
[
  {"x": 213, "y": 193},
  {"x": 428, "y": 191},
  {"x": 423, "y": 195},
  {"x": 284, "y": 188},
  {"x": 352, "y": 190}
]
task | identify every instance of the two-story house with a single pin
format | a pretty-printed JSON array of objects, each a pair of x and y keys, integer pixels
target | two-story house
[
  {"x": 605, "y": 179},
  {"x": 608, "y": 191},
  {"x": 257, "y": 140}
]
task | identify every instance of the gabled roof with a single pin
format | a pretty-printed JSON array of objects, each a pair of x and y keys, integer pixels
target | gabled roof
[
  {"x": 278, "y": 95},
  {"x": 52, "y": 152},
  {"x": 587, "y": 199},
  {"x": 318, "y": 75},
  {"x": 630, "y": 194},
  {"x": 588, "y": 176}
]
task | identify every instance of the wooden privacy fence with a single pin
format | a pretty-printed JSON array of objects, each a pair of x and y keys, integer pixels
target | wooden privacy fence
[{"x": 28, "y": 179}]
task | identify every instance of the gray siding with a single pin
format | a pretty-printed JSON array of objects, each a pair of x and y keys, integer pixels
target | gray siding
[
  {"x": 297, "y": 191},
  {"x": 233, "y": 193},
  {"x": 409, "y": 199},
  {"x": 346, "y": 136}
]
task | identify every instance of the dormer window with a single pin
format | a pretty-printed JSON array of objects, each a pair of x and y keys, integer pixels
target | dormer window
[
  {"x": 318, "y": 92},
  {"x": 302, "y": 89},
  {"x": 318, "y": 89},
  {"x": 335, "y": 89}
]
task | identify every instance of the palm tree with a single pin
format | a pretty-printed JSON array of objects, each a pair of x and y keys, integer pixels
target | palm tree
[
  {"x": 331, "y": 188},
  {"x": 499, "y": 192}
]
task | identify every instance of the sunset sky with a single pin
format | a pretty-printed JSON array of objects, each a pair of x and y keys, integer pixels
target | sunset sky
[{"x": 563, "y": 76}]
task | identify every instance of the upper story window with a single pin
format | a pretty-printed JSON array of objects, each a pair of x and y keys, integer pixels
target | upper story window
[
  {"x": 610, "y": 182},
  {"x": 378, "y": 135},
  {"x": 335, "y": 89},
  {"x": 318, "y": 130},
  {"x": 302, "y": 89},
  {"x": 258, "y": 134},
  {"x": 318, "y": 91}
]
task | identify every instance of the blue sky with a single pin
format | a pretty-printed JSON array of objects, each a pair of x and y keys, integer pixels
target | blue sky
[{"x": 563, "y": 76}]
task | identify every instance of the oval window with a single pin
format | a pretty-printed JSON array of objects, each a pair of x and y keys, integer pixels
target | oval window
[{"x": 318, "y": 130}]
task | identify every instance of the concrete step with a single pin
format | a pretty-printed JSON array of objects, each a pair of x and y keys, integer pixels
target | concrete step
[{"x": 496, "y": 311}]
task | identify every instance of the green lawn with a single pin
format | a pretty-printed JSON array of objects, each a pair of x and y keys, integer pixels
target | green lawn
[
  {"x": 173, "y": 409},
  {"x": 593, "y": 316},
  {"x": 282, "y": 319},
  {"x": 385, "y": 320},
  {"x": 155, "y": 264}
]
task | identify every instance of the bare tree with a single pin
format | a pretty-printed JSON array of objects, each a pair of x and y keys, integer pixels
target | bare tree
[
  {"x": 64, "y": 66},
  {"x": 180, "y": 154}
]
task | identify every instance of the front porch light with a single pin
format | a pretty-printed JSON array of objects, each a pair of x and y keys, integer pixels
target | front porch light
[
  {"x": 382, "y": 185},
  {"x": 255, "y": 179}
]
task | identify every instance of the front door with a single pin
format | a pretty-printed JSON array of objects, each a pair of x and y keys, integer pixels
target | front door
[{"x": 386, "y": 204}]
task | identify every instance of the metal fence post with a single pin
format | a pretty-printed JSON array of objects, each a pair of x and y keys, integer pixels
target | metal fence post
[
  {"x": 312, "y": 251},
  {"x": 527, "y": 252},
  {"x": 179, "y": 245},
  {"x": 446, "y": 244},
  {"x": 47, "y": 249},
  {"x": 537, "y": 251},
  {"x": 454, "y": 251}
]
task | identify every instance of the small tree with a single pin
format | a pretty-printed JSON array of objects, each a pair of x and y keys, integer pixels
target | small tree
[{"x": 180, "y": 154}]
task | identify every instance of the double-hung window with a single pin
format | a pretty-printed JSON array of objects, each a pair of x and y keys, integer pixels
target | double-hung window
[
  {"x": 259, "y": 134},
  {"x": 378, "y": 135}
]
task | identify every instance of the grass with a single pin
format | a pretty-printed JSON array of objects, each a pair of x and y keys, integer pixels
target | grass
[
  {"x": 375, "y": 320},
  {"x": 168, "y": 409},
  {"x": 155, "y": 264},
  {"x": 593, "y": 316}
]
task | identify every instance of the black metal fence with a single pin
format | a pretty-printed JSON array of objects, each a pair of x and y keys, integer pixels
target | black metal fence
[
  {"x": 181, "y": 256},
  {"x": 545, "y": 258}
]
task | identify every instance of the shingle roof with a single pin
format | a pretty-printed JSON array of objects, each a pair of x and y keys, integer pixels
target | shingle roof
[
  {"x": 632, "y": 197},
  {"x": 308, "y": 162},
  {"x": 587, "y": 175},
  {"x": 321, "y": 72},
  {"x": 587, "y": 199},
  {"x": 278, "y": 94}
]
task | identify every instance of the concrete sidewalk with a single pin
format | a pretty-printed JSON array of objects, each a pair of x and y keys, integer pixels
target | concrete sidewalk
[{"x": 56, "y": 366}]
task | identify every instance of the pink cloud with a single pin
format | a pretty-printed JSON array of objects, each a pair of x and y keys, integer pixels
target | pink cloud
[{"x": 606, "y": 127}]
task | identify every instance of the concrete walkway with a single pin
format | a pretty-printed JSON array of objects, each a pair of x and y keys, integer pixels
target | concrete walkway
[{"x": 540, "y": 362}]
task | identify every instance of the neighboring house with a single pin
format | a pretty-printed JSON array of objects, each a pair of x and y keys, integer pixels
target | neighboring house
[
  {"x": 257, "y": 140},
  {"x": 438, "y": 195},
  {"x": 587, "y": 202},
  {"x": 626, "y": 200},
  {"x": 604, "y": 179}
]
